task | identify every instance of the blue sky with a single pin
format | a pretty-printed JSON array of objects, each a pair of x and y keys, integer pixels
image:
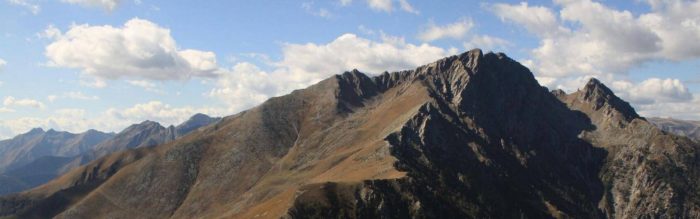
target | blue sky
[{"x": 104, "y": 64}]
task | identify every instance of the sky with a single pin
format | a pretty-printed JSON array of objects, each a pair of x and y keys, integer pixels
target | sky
[{"x": 75, "y": 65}]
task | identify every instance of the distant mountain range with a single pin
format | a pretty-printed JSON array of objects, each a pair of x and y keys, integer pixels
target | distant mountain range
[
  {"x": 690, "y": 129},
  {"x": 36, "y": 157},
  {"x": 468, "y": 136}
]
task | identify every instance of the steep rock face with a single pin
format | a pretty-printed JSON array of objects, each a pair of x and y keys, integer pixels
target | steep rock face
[
  {"x": 648, "y": 172},
  {"x": 489, "y": 144},
  {"x": 690, "y": 129},
  {"x": 468, "y": 136}
]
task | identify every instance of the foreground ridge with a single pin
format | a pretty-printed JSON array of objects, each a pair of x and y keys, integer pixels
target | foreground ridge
[{"x": 467, "y": 136}]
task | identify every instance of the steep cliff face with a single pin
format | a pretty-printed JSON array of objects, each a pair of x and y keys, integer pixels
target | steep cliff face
[{"x": 468, "y": 136}]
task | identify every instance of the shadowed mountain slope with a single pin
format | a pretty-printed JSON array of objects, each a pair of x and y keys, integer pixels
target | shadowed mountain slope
[{"x": 468, "y": 136}]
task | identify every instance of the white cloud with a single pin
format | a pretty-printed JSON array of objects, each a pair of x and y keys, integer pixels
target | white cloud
[
  {"x": 301, "y": 65},
  {"x": 139, "y": 49},
  {"x": 321, "y": 12},
  {"x": 107, "y": 5},
  {"x": 34, "y": 8},
  {"x": 386, "y": 5},
  {"x": 380, "y": 5},
  {"x": 455, "y": 30},
  {"x": 604, "y": 40},
  {"x": 536, "y": 19},
  {"x": 51, "y": 32},
  {"x": 407, "y": 7},
  {"x": 157, "y": 111},
  {"x": 2, "y": 63},
  {"x": 345, "y": 2},
  {"x": 680, "y": 110},
  {"x": 365, "y": 30},
  {"x": 74, "y": 95},
  {"x": 12, "y": 101},
  {"x": 486, "y": 42},
  {"x": 142, "y": 83},
  {"x": 6, "y": 110},
  {"x": 245, "y": 85},
  {"x": 653, "y": 90},
  {"x": 146, "y": 85}
]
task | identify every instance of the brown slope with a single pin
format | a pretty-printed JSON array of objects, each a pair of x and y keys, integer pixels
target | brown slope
[
  {"x": 222, "y": 170},
  {"x": 468, "y": 136}
]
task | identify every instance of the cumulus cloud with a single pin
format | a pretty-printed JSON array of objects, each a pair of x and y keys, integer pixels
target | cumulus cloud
[
  {"x": 680, "y": 110},
  {"x": 245, "y": 85},
  {"x": 603, "y": 40},
  {"x": 653, "y": 90},
  {"x": 139, "y": 49},
  {"x": 2, "y": 63},
  {"x": 107, "y": 5},
  {"x": 455, "y": 30},
  {"x": 11, "y": 101},
  {"x": 32, "y": 7},
  {"x": 537, "y": 19},
  {"x": 301, "y": 65}
]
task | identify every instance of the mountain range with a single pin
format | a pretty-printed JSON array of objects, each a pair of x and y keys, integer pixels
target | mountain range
[
  {"x": 38, "y": 156},
  {"x": 467, "y": 136},
  {"x": 690, "y": 129}
]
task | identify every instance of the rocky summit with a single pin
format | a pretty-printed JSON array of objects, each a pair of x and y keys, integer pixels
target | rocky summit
[{"x": 468, "y": 136}]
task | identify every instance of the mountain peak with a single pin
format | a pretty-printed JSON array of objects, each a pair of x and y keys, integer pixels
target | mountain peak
[
  {"x": 36, "y": 131},
  {"x": 600, "y": 96},
  {"x": 472, "y": 57},
  {"x": 199, "y": 116}
]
